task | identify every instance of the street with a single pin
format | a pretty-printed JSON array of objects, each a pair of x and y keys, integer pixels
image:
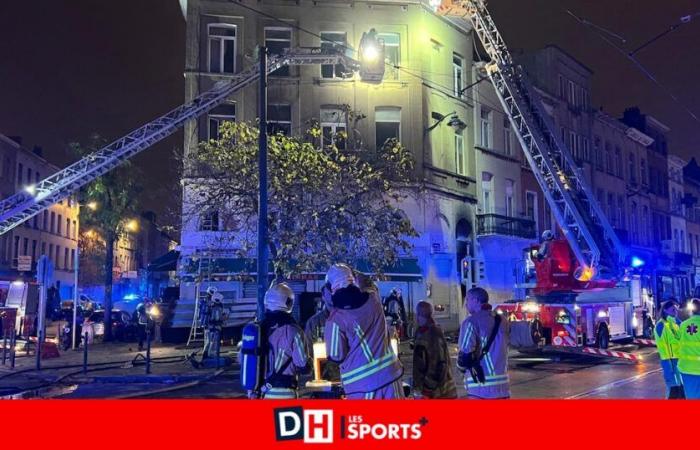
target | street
[{"x": 115, "y": 371}]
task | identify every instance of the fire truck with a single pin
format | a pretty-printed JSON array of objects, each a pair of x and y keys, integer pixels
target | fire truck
[{"x": 586, "y": 291}]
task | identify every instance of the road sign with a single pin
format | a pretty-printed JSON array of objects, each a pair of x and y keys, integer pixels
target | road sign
[{"x": 24, "y": 263}]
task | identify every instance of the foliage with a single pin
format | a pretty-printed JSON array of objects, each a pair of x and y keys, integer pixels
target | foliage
[{"x": 325, "y": 205}]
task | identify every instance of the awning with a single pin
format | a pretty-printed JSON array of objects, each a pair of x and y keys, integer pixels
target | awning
[
  {"x": 165, "y": 263},
  {"x": 406, "y": 269}
]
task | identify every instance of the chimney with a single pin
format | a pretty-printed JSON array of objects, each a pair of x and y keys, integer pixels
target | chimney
[
  {"x": 38, "y": 151},
  {"x": 17, "y": 139}
]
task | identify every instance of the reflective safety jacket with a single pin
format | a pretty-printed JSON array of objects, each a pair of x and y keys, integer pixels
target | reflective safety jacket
[
  {"x": 288, "y": 350},
  {"x": 473, "y": 334},
  {"x": 666, "y": 334},
  {"x": 689, "y": 346},
  {"x": 356, "y": 338}
]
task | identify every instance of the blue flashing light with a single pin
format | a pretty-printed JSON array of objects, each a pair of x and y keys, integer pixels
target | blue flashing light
[
  {"x": 637, "y": 262},
  {"x": 131, "y": 297}
]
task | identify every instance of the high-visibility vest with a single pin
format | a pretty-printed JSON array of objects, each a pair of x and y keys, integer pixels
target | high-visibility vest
[
  {"x": 667, "y": 340},
  {"x": 689, "y": 351}
]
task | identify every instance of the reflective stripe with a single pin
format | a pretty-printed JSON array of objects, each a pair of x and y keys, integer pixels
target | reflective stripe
[
  {"x": 369, "y": 368},
  {"x": 300, "y": 346},
  {"x": 369, "y": 395},
  {"x": 489, "y": 363},
  {"x": 334, "y": 341},
  {"x": 490, "y": 381},
  {"x": 467, "y": 335},
  {"x": 363, "y": 343},
  {"x": 280, "y": 393}
]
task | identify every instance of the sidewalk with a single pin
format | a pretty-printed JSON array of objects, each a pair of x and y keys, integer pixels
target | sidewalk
[{"x": 115, "y": 370}]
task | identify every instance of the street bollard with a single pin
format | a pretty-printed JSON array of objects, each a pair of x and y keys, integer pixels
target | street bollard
[
  {"x": 148, "y": 351},
  {"x": 85, "y": 353},
  {"x": 4, "y": 347},
  {"x": 13, "y": 341}
]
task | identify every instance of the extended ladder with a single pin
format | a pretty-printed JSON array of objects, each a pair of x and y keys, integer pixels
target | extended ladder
[
  {"x": 35, "y": 198},
  {"x": 588, "y": 231}
]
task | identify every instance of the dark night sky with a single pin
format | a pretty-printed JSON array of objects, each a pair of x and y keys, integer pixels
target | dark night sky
[{"x": 69, "y": 68}]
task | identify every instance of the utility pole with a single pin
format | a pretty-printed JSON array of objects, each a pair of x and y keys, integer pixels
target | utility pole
[
  {"x": 262, "y": 186},
  {"x": 75, "y": 292}
]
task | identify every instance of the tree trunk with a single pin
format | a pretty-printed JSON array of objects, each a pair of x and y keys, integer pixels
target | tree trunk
[{"x": 109, "y": 266}]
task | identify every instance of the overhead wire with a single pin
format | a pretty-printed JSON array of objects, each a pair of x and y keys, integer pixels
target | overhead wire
[{"x": 630, "y": 56}]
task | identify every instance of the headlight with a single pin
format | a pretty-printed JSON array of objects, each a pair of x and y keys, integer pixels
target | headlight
[{"x": 602, "y": 314}]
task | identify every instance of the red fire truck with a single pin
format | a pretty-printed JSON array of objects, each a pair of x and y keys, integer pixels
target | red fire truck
[{"x": 564, "y": 311}]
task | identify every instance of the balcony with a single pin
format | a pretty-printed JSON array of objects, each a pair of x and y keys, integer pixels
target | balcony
[
  {"x": 488, "y": 224},
  {"x": 682, "y": 259}
]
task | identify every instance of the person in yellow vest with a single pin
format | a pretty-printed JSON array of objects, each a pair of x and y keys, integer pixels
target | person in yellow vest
[
  {"x": 689, "y": 353},
  {"x": 666, "y": 334}
]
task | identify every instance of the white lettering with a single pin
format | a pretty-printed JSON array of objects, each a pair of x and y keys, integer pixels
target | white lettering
[{"x": 284, "y": 432}]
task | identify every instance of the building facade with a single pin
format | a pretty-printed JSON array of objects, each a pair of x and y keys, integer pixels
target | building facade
[
  {"x": 430, "y": 64},
  {"x": 53, "y": 232},
  {"x": 691, "y": 202}
]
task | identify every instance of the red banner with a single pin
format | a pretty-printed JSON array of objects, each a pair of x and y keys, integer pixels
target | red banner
[{"x": 162, "y": 424}]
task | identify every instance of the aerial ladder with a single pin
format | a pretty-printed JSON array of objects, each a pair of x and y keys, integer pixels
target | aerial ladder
[
  {"x": 593, "y": 242},
  {"x": 35, "y": 198}
]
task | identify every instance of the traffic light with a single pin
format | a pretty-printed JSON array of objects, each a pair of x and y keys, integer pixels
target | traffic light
[{"x": 372, "y": 62}]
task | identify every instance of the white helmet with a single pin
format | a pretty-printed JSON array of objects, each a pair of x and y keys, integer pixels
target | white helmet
[
  {"x": 279, "y": 297},
  {"x": 340, "y": 276},
  {"x": 211, "y": 290},
  {"x": 547, "y": 235},
  {"x": 217, "y": 297}
]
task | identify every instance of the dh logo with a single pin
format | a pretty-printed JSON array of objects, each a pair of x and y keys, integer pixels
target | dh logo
[{"x": 314, "y": 426}]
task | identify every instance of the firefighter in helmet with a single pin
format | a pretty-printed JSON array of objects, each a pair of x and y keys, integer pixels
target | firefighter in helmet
[
  {"x": 356, "y": 339},
  {"x": 288, "y": 354},
  {"x": 214, "y": 323},
  {"x": 545, "y": 247}
]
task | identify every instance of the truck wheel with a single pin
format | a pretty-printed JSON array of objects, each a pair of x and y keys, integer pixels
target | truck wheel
[{"x": 602, "y": 340}]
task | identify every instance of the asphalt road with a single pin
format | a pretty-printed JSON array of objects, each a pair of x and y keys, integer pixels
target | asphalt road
[{"x": 545, "y": 376}]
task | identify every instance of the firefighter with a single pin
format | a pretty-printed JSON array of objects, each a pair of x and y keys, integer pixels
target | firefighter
[
  {"x": 689, "y": 353},
  {"x": 356, "y": 339},
  {"x": 395, "y": 310},
  {"x": 288, "y": 352},
  {"x": 666, "y": 335},
  {"x": 432, "y": 374},
  {"x": 314, "y": 333},
  {"x": 214, "y": 322},
  {"x": 485, "y": 366},
  {"x": 545, "y": 247},
  {"x": 203, "y": 312},
  {"x": 141, "y": 322}
]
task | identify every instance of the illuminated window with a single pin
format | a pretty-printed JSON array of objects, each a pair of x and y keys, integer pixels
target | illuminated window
[
  {"x": 392, "y": 54},
  {"x": 333, "y": 127}
]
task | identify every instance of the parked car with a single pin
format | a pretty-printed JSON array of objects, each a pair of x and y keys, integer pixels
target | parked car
[{"x": 123, "y": 328}]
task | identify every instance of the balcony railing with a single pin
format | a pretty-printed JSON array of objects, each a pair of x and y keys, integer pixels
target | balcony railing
[{"x": 504, "y": 225}]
